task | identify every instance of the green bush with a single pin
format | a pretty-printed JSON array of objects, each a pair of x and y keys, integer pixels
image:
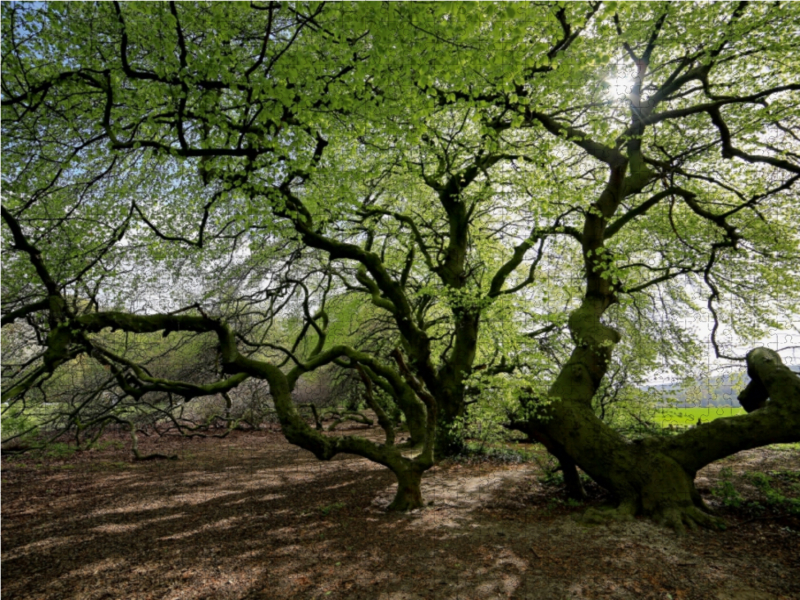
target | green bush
[
  {"x": 59, "y": 450},
  {"x": 726, "y": 490},
  {"x": 14, "y": 424},
  {"x": 774, "y": 497}
]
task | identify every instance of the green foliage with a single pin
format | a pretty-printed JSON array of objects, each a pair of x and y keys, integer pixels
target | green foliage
[
  {"x": 19, "y": 423},
  {"x": 58, "y": 450},
  {"x": 773, "y": 496},
  {"x": 777, "y": 491},
  {"x": 200, "y": 196},
  {"x": 726, "y": 490}
]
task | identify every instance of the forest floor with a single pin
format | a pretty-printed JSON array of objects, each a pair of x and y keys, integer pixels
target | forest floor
[{"x": 250, "y": 516}]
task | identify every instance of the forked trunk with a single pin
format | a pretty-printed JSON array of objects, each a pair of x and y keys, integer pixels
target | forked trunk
[
  {"x": 654, "y": 477},
  {"x": 644, "y": 480}
]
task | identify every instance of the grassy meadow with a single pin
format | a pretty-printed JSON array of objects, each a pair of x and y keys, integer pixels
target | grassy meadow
[{"x": 690, "y": 416}]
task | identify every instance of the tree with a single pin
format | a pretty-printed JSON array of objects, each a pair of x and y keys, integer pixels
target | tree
[{"x": 510, "y": 215}]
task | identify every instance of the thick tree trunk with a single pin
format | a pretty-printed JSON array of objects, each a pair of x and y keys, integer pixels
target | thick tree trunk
[
  {"x": 655, "y": 477},
  {"x": 644, "y": 480},
  {"x": 407, "y": 470},
  {"x": 409, "y": 494}
]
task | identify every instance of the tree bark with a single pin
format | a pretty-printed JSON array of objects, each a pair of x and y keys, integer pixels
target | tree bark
[
  {"x": 409, "y": 493},
  {"x": 448, "y": 442},
  {"x": 572, "y": 479},
  {"x": 655, "y": 477},
  {"x": 567, "y": 466},
  {"x": 644, "y": 480},
  {"x": 407, "y": 470}
]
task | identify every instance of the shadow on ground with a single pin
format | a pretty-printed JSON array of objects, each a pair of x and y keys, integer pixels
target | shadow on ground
[{"x": 252, "y": 517}]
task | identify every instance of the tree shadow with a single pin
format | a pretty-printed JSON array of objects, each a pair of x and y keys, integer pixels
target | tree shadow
[{"x": 233, "y": 522}]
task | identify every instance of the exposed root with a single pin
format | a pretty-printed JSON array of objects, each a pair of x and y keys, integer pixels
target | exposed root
[
  {"x": 605, "y": 515},
  {"x": 679, "y": 519},
  {"x": 691, "y": 517}
]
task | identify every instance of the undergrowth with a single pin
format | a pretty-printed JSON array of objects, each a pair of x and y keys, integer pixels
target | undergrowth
[{"x": 773, "y": 492}]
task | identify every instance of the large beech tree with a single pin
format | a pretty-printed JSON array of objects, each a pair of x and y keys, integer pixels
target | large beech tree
[{"x": 509, "y": 193}]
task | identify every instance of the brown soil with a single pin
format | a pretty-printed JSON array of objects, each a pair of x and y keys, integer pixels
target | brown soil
[{"x": 250, "y": 516}]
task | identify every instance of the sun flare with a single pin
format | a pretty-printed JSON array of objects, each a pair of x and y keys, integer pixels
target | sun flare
[{"x": 619, "y": 87}]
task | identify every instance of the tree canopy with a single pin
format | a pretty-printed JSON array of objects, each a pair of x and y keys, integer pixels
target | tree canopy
[{"x": 467, "y": 207}]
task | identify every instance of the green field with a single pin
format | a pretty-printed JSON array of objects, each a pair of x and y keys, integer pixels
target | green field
[{"x": 689, "y": 416}]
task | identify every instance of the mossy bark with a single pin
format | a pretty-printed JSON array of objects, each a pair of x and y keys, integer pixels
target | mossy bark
[
  {"x": 655, "y": 477},
  {"x": 644, "y": 478},
  {"x": 407, "y": 470},
  {"x": 409, "y": 492}
]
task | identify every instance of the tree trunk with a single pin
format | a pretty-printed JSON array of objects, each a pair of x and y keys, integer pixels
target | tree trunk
[
  {"x": 655, "y": 477},
  {"x": 448, "y": 441},
  {"x": 652, "y": 477},
  {"x": 572, "y": 479},
  {"x": 409, "y": 493},
  {"x": 644, "y": 480},
  {"x": 408, "y": 471}
]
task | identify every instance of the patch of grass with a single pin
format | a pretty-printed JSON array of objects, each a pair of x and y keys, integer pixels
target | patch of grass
[
  {"x": 326, "y": 510},
  {"x": 689, "y": 416},
  {"x": 793, "y": 447},
  {"x": 59, "y": 450},
  {"x": 772, "y": 486},
  {"x": 726, "y": 490},
  {"x": 552, "y": 478},
  {"x": 778, "y": 491},
  {"x": 115, "y": 444}
]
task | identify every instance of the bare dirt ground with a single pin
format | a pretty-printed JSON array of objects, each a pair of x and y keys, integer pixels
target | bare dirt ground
[{"x": 250, "y": 516}]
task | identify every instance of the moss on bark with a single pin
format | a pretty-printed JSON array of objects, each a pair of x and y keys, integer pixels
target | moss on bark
[{"x": 409, "y": 492}]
